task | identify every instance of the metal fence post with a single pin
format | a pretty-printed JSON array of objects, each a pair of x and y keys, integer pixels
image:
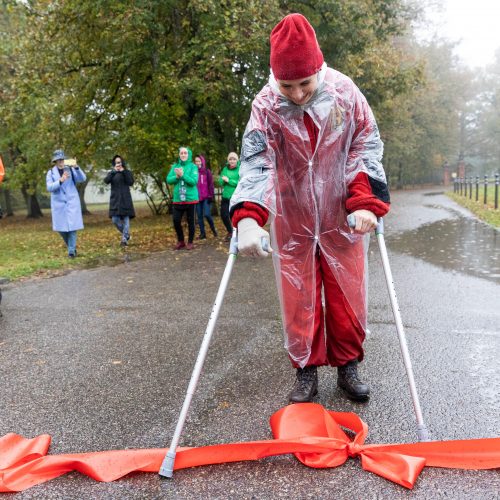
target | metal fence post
[
  {"x": 497, "y": 182},
  {"x": 471, "y": 180},
  {"x": 485, "y": 201},
  {"x": 465, "y": 187},
  {"x": 477, "y": 187}
]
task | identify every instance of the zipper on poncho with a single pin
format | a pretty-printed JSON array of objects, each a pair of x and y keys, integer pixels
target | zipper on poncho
[{"x": 313, "y": 191}]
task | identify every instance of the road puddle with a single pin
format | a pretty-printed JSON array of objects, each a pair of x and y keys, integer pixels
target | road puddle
[{"x": 463, "y": 245}]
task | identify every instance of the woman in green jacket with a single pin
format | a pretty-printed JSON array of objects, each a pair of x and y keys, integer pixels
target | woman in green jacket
[
  {"x": 183, "y": 176},
  {"x": 228, "y": 179}
]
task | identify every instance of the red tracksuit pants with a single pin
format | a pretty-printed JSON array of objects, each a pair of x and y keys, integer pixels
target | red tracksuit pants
[{"x": 338, "y": 336}]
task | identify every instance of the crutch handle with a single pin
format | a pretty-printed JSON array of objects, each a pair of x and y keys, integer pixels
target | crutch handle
[
  {"x": 233, "y": 246},
  {"x": 351, "y": 222},
  {"x": 265, "y": 244}
]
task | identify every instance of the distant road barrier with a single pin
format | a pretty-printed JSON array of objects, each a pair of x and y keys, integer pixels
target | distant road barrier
[{"x": 465, "y": 186}]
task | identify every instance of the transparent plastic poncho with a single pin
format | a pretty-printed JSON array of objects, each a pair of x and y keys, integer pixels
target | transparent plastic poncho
[{"x": 305, "y": 192}]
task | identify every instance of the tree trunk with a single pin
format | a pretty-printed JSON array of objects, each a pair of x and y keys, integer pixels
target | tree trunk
[
  {"x": 8, "y": 202},
  {"x": 34, "y": 211},
  {"x": 81, "y": 191},
  {"x": 399, "y": 183},
  {"x": 7, "y": 205},
  {"x": 214, "y": 209}
]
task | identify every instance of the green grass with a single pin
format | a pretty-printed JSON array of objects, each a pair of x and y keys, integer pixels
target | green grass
[
  {"x": 30, "y": 247},
  {"x": 103, "y": 207},
  {"x": 484, "y": 212}
]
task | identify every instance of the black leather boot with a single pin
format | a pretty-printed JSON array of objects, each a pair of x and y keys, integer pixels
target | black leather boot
[
  {"x": 306, "y": 385},
  {"x": 348, "y": 380}
]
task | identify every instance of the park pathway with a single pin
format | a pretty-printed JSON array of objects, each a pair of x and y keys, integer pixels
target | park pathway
[{"x": 101, "y": 358}]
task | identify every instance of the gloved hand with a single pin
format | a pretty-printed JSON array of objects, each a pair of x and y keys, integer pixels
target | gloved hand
[
  {"x": 250, "y": 236},
  {"x": 366, "y": 221}
]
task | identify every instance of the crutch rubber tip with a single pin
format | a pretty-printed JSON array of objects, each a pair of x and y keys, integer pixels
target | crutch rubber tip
[
  {"x": 423, "y": 433},
  {"x": 166, "y": 474},
  {"x": 167, "y": 466}
]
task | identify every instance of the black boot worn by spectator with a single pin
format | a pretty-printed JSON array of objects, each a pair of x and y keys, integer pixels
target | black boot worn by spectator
[
  {"x": 306, "y": 385},
  {"x": 349, "y": 382}
]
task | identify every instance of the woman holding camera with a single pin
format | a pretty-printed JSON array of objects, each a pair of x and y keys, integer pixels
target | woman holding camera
[
  {"x": 121, "y": 207},
  {"x": 64, "y": 199}
]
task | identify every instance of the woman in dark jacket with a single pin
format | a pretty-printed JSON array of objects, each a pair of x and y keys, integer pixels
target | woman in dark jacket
[{"x": 121, "y": 207}]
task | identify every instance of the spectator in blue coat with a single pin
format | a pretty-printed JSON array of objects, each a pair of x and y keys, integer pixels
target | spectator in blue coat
[{"x": 64, "y": 199}]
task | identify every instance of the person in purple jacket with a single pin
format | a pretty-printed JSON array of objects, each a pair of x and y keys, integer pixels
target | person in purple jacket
[{"x": 206, "y": 194}]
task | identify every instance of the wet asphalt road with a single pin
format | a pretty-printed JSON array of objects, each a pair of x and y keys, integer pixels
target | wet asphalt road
[{"x": 100, "y": 359}]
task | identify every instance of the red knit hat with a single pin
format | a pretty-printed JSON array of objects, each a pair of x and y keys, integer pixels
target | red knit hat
[{"x": 295, "y": 52}]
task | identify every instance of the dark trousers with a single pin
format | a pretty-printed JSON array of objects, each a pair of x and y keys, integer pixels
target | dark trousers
[
  {"x": 203, "y": 210},
  {"x": 224, "y": 214},
  {"x": 178, "y": 210}
]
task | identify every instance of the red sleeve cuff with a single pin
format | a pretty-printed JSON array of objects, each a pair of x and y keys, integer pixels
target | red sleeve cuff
[
  {"x": 361, "y": 197},
  {"x": 249, "y": 209}
]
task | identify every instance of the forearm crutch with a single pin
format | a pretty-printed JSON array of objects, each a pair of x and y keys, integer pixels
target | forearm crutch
[
  {"x": 422, "y": 432},
  {"x": 167, "y": 466}
]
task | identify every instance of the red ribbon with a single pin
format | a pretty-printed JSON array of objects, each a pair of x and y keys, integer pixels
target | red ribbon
[{"x": 310, "y": 432}]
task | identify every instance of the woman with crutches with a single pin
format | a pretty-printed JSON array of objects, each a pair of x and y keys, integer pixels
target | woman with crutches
[{"x": 311, "y": 155}]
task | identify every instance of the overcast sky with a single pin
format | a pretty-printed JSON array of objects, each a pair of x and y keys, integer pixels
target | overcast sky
[{"x": 475, "y": 24}]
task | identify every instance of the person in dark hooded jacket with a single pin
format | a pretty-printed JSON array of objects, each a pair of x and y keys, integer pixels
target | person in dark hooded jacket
[{"x": 121, "y": 207}]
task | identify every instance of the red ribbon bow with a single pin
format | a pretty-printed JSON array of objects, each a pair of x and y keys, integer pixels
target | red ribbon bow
[{"x": 310, "y": 432}]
